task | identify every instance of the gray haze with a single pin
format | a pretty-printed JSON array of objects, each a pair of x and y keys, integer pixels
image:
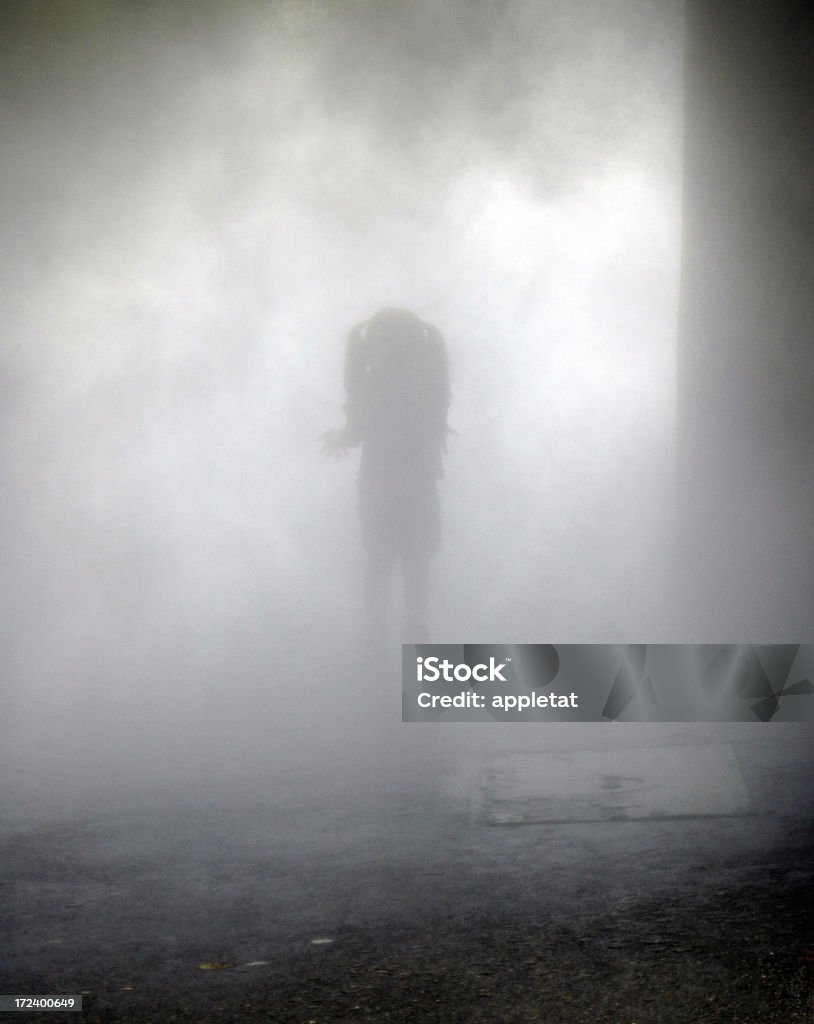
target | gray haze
[{"x": 198, "y": 202}]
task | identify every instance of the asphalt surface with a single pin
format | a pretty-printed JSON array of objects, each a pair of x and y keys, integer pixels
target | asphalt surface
[{"x": 345, "y": 890}]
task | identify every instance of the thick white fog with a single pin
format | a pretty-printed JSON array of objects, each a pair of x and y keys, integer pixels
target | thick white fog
[{"x": 198, "y": 203}]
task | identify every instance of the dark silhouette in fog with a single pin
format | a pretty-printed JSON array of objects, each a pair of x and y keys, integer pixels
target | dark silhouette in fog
[{"x": 397, "y": 384}]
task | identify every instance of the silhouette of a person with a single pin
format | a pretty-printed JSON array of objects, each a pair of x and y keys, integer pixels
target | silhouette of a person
[{"x": 397, "y": 384}]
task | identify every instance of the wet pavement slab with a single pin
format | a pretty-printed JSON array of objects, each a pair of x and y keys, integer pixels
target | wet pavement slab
[{"x": 615, "y": 785}]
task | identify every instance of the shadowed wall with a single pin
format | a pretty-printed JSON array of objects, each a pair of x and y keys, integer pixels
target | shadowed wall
[{"x": 746, "y": 359}]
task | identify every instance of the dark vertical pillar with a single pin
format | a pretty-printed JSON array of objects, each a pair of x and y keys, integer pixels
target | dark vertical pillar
[{"x": 746, "y": 352}]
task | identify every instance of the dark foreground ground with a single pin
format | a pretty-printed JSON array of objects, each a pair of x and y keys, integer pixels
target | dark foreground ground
[{"x": 354, "y": 895}]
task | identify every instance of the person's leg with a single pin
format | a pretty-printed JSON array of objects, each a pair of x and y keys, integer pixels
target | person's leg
[
  {"x": 380, "y": 557},
  {"x": 378, "y": 571},
  {"x": 420, "y": 539},
  {"x": 416, "y": 571}
]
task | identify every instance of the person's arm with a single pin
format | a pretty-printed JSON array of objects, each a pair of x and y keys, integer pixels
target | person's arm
[
  {"x": 337, "y": 442},
  {"x": 439, "y": 378},
  {"x": 355, "y": 386}
]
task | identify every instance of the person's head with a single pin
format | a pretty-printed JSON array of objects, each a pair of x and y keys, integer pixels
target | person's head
[{"x": 394, "y": 325}]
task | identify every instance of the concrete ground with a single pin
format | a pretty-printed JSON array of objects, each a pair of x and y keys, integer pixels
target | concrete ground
[{"x": 362, "y": 882}]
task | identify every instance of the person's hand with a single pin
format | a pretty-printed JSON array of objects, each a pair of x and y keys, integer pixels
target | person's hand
[{"x": 334, "y": 443}]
